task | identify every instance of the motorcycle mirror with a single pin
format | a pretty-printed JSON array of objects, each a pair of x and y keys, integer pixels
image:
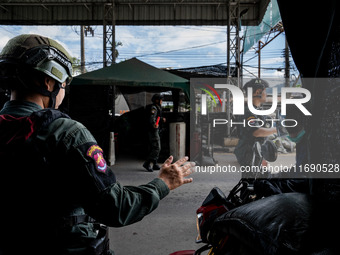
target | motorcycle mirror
[{"x": 269, "y": 151}]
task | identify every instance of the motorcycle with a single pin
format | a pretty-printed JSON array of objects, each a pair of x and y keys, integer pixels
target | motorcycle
[
  {"x": 234, "y": 225},
  {"x": 217, "y": 203},
  {"x": 274, "y": 225}
]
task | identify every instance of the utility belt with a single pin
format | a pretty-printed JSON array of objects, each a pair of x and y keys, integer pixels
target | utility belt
[{"x": 97, "y": 246}]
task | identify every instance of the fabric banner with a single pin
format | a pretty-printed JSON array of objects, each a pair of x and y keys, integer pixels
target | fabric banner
[{"x": 270, "y": 19}]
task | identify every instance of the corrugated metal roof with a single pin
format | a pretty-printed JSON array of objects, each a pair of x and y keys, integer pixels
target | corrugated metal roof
[
  {"x": 202, "y": 71},
  {"x": 128, "y": 12}
]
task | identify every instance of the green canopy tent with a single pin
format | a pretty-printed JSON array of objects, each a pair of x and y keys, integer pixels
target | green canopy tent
[
  {"x": 133, "y": 73},
  {"x": 91, "y": 99}
]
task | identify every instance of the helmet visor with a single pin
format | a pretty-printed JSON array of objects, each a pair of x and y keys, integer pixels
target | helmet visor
[{"x": 50, "y": 61}]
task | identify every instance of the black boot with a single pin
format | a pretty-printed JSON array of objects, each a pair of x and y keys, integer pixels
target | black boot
[
  {"x": 156, "y": 166},
  {"x": 147, "y": 166}
]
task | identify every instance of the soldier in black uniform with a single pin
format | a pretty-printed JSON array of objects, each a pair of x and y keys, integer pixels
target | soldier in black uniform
[
  {"x": 292, "y": 181},
  {"x": 154, "y": 122},
  {"x": 253, "y": 132},
  {"x": 56, "y": 189}
]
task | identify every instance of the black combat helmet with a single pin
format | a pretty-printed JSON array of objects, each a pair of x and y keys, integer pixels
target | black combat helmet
[
  {"x": 157, "y": 97},
  {"x": 27, "y": 53},
  {"x": 256, "y": 83}
]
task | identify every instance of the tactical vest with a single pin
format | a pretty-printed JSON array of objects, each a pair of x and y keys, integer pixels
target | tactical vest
[
  {"x": 27, "y": 186},
  {"x": 148, "y": 113}
]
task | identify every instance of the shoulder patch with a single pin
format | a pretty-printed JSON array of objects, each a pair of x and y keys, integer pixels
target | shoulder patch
[
  {"x": 96, "y": 153},
  {"x": 153, "y": 109},
  {"x": 252, "y": 121}
]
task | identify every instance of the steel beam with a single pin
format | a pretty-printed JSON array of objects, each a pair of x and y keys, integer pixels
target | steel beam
[
  {"x": 233, "y": 52},
  {"x": 109, "y": 34},
  {"x": 69, "y": 12}
]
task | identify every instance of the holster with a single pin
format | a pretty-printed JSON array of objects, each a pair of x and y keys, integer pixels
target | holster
[
  {"x": 94, "y": 245},
  {"x": 100, "y": 245}
]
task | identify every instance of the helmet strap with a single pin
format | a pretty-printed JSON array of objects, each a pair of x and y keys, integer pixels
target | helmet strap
[
  {"x": 21, "y": 77},
  {"x": 51, "y": 94}
]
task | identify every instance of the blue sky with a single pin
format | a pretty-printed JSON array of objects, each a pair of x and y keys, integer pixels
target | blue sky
[{"x": 160, "y": 46}]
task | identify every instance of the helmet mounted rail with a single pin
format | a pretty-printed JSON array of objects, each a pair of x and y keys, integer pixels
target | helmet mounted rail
[{"x": 29, "y": 51}]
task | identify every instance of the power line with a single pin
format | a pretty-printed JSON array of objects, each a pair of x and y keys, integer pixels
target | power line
[{"x": 189, "y": 48}]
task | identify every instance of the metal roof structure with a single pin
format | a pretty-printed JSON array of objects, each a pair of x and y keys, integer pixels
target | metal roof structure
[
  {"x": 202, "y": 71},
  {"x": 128, "y": 12}
]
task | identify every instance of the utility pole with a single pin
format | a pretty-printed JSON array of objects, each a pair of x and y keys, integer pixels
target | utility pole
[
  {"x": 259, "y": 60},
  {"x": 83, "y": 32},
  {"x": 82, "y": 49},
  {"x": 270, "y": 36},
  {"x": 287, "y": 64}
]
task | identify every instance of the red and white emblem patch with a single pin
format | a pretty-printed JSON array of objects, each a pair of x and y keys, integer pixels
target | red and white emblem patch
[
  {"x": 251, "y": 121},
  {"x": 96, "y": 153}
]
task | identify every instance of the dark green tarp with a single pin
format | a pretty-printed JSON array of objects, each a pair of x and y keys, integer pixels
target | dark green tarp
[
  {"x": 133, "y": 73},
  {"x": 91, "y": 100}
]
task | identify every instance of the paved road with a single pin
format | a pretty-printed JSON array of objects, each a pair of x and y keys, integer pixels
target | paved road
[{"x": 172, "y": 226}]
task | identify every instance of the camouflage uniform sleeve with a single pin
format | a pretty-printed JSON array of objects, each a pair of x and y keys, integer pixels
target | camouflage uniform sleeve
[
  {"x": 123, "y": 205},
  {"x": 103, "y": 197},
  {"x": 153, "y": 115}
]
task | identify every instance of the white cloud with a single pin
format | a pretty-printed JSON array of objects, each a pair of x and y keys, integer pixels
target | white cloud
[
  {"x": 149, "y": 40},
  {"x": 62, "y": 34},
  {"x": 270, "y": 61},
  {"x": 3, "y": 40}
]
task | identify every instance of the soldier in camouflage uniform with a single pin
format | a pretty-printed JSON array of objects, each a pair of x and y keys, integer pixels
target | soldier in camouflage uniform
[
  {"x": 56, "y": 190},
  {"x": 253, "y": 132},
  {"x": 154, "y": 122}
]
